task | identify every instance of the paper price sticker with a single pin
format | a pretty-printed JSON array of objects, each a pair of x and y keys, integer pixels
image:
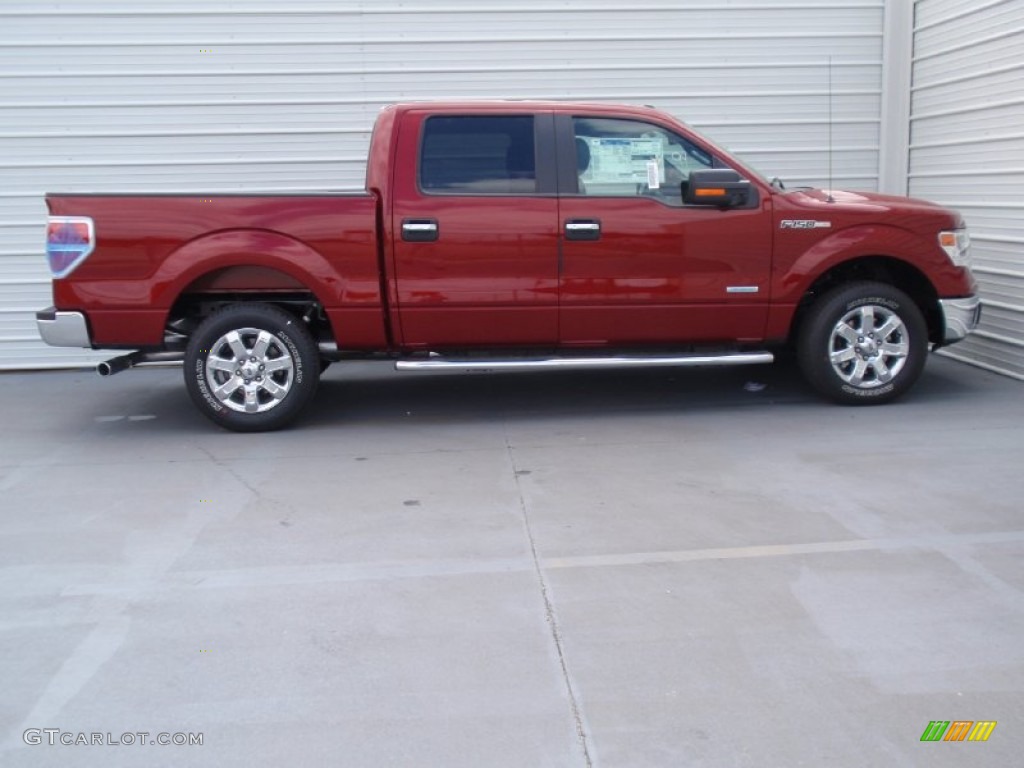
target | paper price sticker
[
  {"x": 653, "y": 178},
  {"x": 625, "y": 160}
]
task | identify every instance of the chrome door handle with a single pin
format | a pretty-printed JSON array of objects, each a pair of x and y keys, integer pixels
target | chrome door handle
[
  {"x": 419, "y": 230},
  {"x": 582, "y": 229}
]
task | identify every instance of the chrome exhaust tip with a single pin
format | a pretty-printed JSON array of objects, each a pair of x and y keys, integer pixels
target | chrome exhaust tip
[{"x": 135, "y": 359}]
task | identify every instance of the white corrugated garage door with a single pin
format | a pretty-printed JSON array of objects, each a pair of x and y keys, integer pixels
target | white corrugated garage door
[
  {"x": 260, "y": 95},
  {"x": 967, "y": 150}
]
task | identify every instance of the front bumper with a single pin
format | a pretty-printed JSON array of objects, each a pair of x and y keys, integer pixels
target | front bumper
[
  {"x": 960, "y": 316},
  {"x": 63, "y": 329}
]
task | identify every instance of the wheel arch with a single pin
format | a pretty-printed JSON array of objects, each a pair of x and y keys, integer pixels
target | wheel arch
[
  {"x": 245, "y": 265},
  {"x": 881, "y": 268}
]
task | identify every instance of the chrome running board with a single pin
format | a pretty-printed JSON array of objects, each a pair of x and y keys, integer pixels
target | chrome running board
[{"x": 439, "y": 363}]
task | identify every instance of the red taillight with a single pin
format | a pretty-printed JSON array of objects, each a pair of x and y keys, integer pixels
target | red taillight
[{"x": 69, "y": 240}]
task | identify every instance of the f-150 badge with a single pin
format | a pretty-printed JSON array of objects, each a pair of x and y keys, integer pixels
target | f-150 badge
[{"x": 805, "y": 224}]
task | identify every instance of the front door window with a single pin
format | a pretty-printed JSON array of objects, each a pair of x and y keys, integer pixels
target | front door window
[{"x": 629, "y": 158}]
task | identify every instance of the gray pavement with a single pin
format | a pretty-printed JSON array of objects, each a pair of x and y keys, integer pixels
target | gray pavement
[{"x": 638, "y": 568}]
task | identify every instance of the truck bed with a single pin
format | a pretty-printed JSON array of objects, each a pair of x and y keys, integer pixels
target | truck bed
[{"x": 151, "y": 248}]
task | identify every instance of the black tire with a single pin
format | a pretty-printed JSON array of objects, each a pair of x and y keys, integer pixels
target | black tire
[
  {"x": 251, "y": 382},
  {"x": 855, "y": 368}
]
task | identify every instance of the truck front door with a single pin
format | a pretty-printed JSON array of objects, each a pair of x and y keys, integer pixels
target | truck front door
[
  {"x": 474, "y": 225},
  {"x": 639, "y": 266}
]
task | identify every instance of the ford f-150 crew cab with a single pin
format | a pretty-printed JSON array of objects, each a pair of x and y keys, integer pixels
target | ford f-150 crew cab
[{"x": 509, "y": 235}]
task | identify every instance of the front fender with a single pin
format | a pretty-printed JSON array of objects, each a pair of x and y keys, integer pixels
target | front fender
[{"x": 796, "y": 272}]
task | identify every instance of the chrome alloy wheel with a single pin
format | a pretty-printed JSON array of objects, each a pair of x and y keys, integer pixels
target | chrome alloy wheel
[
  {"x": 249, "y": 370},
  {"x": 868, "y": 347}
]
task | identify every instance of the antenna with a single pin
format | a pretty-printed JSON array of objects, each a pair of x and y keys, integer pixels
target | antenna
[{"x": 830, "y": 199}]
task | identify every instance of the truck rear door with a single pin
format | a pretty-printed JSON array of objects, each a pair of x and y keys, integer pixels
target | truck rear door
[{"x": 474, "y": 223}]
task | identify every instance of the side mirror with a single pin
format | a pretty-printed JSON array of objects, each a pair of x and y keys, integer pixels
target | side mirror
[{"x": 723, "y": 187}]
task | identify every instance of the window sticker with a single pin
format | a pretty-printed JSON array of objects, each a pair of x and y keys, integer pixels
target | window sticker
[
  {"x": 653, "y": 179},
  {"x": 625, "y": 161}
]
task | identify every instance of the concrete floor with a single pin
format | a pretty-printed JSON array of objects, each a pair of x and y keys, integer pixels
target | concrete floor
[{"x": 642, "y": 568}]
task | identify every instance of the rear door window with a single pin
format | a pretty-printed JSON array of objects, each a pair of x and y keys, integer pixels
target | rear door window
[{"x": 478, "y": 155}]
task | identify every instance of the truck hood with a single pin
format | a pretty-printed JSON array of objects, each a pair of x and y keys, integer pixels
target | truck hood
[{"x": 871, "y": 203}]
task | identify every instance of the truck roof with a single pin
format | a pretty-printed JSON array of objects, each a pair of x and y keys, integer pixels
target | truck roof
[{"x": 525, "y": 105}]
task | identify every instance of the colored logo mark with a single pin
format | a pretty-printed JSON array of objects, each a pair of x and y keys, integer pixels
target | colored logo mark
[{"x": 958, "y": 730}]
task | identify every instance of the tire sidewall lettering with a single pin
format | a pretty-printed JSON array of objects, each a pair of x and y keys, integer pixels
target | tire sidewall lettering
[
  {"x": 875, "y": 392},
  {"x": 293, "y": 350},
  {"x": 890, "y": 304},
  {"x": 204, "y": 390}
]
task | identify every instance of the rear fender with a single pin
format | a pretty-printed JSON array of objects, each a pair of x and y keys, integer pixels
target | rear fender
[{"x": 245, "y": 248}]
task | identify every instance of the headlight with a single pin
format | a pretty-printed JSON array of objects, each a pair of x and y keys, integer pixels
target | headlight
[{"x": 957, "y": 245}]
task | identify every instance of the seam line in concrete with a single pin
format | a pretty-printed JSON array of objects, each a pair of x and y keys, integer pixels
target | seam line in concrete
[{"x": 549, "y": 612}]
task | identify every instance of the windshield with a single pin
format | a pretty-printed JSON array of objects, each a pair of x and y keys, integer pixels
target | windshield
[{"x": 776, "y": 182}]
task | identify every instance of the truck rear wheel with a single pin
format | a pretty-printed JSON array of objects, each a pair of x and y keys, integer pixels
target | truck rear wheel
[
  {"x": 251, "y": 367},
  {"x": 863, "y": 343}
]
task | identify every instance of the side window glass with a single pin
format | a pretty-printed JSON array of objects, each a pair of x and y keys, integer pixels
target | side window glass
[
  {"x": 478, "y": 155},
  {"x": 629, "y": 158}
]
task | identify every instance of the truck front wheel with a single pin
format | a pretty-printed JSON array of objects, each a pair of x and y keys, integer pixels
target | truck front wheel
[
  {"x": 863, "y": 343},
  {"x": 251, "y": 367}
]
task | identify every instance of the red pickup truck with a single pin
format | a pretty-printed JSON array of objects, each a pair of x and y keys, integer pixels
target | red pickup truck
[{"x": 511, "y": 235}]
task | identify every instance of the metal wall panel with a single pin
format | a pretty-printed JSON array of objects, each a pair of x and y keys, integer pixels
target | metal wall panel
[
  {"x": 264, "y": 95},
  {"x": 967, "y": 150}
]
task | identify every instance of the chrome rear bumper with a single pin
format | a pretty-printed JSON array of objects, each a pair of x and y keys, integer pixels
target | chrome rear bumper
[{"x": 63, "y": 329}]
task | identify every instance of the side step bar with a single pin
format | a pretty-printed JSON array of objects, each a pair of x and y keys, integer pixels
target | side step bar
[
  {"x": 582, "y": 363},
  {"x": 439, "y": 363}
]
